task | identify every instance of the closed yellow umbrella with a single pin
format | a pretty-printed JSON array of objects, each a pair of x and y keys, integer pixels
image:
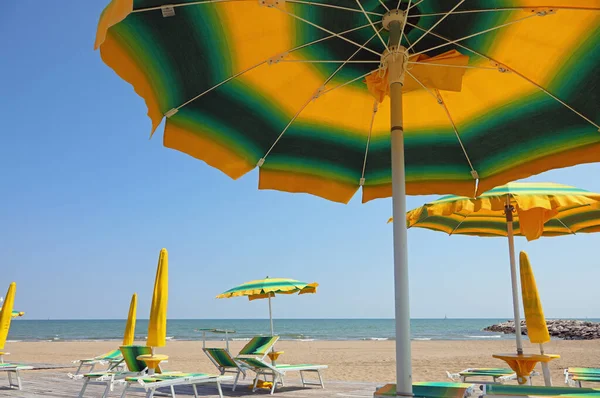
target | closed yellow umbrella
[
  {"x": 129, "y": 334},
  {"x": 6, "y": 313},
  {"x": 157, "y": 326},
  {"x": 537, "y": 330}
]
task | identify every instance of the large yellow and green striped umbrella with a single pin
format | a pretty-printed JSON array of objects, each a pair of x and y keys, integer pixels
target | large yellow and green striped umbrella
[
  {"x": 269, "y": 287},
  {"x": 528, "y": 209},
  {"x": 480, "y": 92},
  {"x": 16, "y": 314}
]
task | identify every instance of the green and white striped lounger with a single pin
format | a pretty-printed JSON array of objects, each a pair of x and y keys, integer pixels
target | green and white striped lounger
[
  {"x": 278, "y": 371},
  {"x": 12, "y": 370},
  {"x": 430, "y": 390},
  {"x": 108, "y": 378},
  {"x": 112, "y": 358},
  {"x": 258, "y": 346},
  {"x": 505, "y": 390},
  {"x": 150, "y": 383},
  {"x": 575, "y": 376},
  {"x": 483, "y": 375}
]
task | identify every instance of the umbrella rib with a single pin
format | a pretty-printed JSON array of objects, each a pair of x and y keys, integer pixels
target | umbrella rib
[
  {"x": 310, "y": 61},
  {"x": 505, "y": 9},
  {"x": 362, "y": 177},
  {"x": 565, "y": 225},
  {"x": 193, "y": 3},
  {"x": 459, "y": 224},
  {"x": 453, "y": 66},
  {"x": 313, "y": 97},
  {"x": 310, "y": 3},
  {"x": 435, "y": 97},
  {"x": 503, "y": 68},
  {"x": 350, "y": 81},
  {"x": 384, "y": 6},
  {"x": 443, "y": 103},
  {"x": 435, "y": 24},
  {"x": 474, "y": 34},
  {"x": 327, "y": 30},
  {"x": 414, "y": 5},
  {"x": 174, "y": 110},
  {"x": 408, "y": 7},
  {"x": 372, "y": 25}
]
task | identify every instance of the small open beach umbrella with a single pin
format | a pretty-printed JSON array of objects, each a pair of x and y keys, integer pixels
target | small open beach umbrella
[
  {"x": 537, "y": 330},
  {"x": 16, "y": 314},
  {"x": 6, "y": 313},
  {"x": 269, "y": 287},
  {"x": 129, "y": 334},
  {"x": 523, "y": 209},
  {"x": 395, "y": 97},
  {"x": 157, "y": 325}
]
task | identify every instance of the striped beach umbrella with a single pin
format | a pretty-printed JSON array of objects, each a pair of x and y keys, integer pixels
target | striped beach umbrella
[
  {"x": 323, "y": 96},
  {"x": 269, "y": 287},
  {"x": 524, "y": 209},
  {"x": 16, "y": 314}
]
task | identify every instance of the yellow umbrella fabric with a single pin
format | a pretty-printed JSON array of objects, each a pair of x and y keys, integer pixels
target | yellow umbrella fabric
[
  {"x": 157, "y": 326},
  {"x": 6, "y": 313},
  {"x": 537, "y": 330},
  {"x": 129, "y": 334}
]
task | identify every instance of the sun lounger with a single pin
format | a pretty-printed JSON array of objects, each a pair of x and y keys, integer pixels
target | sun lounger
[
  {"x": 12, "y": 370},
  {"x": 430, "y": 390},
  {"x": 278, "y": 371},
  {"x": 113, "y": 359},
  {"x": 483, "y": 375},
  {"x": 575, "y": 376},
  {"x": 506, "y": 390},
  {"x": 108, "y": 378},
  {"x": 150, "y": 383},
  {"x": 258, "y": 346}
]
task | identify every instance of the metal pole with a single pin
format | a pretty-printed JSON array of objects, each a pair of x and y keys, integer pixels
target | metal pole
[
  {"x": 270, "y": 315},
  {"x": 508, "y": 210},
  {"x": 396, "y": 67}
]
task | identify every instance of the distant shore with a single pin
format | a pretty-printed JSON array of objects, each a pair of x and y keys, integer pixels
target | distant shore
[{"x": 347, "y": 360}]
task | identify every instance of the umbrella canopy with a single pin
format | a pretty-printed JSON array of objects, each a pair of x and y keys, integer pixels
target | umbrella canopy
[
  {"x": 528, "y": 209},
  {"x": 157, "y": 325},
  {"x": 269, "y": 287},
  {"x": 6, "y": 313},
  {"x": 537, "y": 330},
  {"x": 16, "y": 314},
  {"x": 129, "y": 334},
  {"x": 323, "y": 96}
]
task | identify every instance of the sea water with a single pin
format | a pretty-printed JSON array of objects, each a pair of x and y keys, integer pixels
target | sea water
[{"x": 288, "y": 329}]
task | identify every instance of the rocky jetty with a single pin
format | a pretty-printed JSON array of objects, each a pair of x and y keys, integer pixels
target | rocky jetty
[{"x": 564, "y": 329}]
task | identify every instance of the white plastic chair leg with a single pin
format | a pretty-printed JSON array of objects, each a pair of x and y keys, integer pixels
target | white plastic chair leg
[
  {"x": 218, "y": 389},
  {"x": 85, "y": 383},
  {"x": 196, "y": 390}
]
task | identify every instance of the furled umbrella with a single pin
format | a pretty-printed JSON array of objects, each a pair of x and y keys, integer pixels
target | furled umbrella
[
  {"x": 268, "y": 288},
  {"x": 129, "y": 334},
  {"x": 537, "y": 329},
  {"x": 308, "y": 91},
  {"x": 523, "y": 209},
  {"x": 6, "y": 315},
  {"x": 157, "y": 324}
]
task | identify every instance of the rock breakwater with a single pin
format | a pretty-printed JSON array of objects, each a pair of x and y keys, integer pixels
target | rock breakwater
[{"x": 562, "y": 328}]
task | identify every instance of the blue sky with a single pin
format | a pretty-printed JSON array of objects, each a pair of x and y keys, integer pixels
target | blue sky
[{"x": 88, "y": 201}]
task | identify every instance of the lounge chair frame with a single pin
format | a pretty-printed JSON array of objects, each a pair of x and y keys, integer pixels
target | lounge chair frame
[
  {"x": 12, "y": 371},
  {"x": 150, "y": 388}
]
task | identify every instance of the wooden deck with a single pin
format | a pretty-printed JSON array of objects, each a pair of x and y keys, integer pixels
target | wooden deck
[{"x": 56, "y": 383}]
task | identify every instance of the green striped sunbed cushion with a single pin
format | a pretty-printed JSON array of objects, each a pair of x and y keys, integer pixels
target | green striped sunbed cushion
[
  {"x": 169, "y": 376},
  {"x": 429, "y": 390},
  {"x": 505, "y": 389},
  {"x": 221, "y": 356},
  {"x": 487, "y": 372},
  {"x": 259, "y": 345},
  {"x": 255, "y": 363},
  {"x": 114, "y": 354},
  {"x": 305, "y": 365},
  {"x": 593, "y": 379},
  {"x": 14, "y": 365},
  {"x": 130, "y": 354},
  {"x": 584, "y": 371}
]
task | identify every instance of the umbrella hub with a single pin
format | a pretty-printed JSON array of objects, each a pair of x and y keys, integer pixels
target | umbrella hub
[
  {"x": 395, "y": 58},
  {"x": 391, "y": 16}
]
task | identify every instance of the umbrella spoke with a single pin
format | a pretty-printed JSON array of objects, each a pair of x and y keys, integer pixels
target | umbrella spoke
[
  {"x": 310, "y": 3},
  {"x": 350, "y": 81},
  {"x": 403, "y": 24},
  {"x": 504, "y": 9},
  {"x": 317, "y": 93},
  {"x": 326, "y": 30},
  {"x": 323, "y": 61},
  {"x": 362, "y": 176},
  {"x": 384, "y": 6},
  {"x": 171, "y": 6},
  {"x": 372, "y": 25},
  {"x": 413, "y": 6},
  {"x": 443, "y": 103},
  {"x": 436, "y": 24},
  {"x": 474, "y": 34},
  {"x": 503, "y": 68},
  {"x": 276, "y": 58},
  {"x": 453, "y": 66}
]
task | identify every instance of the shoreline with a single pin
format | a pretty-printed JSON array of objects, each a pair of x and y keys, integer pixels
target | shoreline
[{"x": 347, "y": 360}]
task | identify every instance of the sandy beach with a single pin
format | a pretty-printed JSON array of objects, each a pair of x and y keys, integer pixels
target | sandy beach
[{"x": 348, "y": 360}]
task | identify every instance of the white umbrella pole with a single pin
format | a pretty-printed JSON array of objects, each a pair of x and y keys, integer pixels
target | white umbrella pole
[
  {"x": 396, "y": 66},
  {"x": 270, "y": 315},
  {"x": 508, "y": 208}
]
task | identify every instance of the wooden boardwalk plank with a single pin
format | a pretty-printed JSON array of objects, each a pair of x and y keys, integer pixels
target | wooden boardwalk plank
[{"x": 57, "y": 384}]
